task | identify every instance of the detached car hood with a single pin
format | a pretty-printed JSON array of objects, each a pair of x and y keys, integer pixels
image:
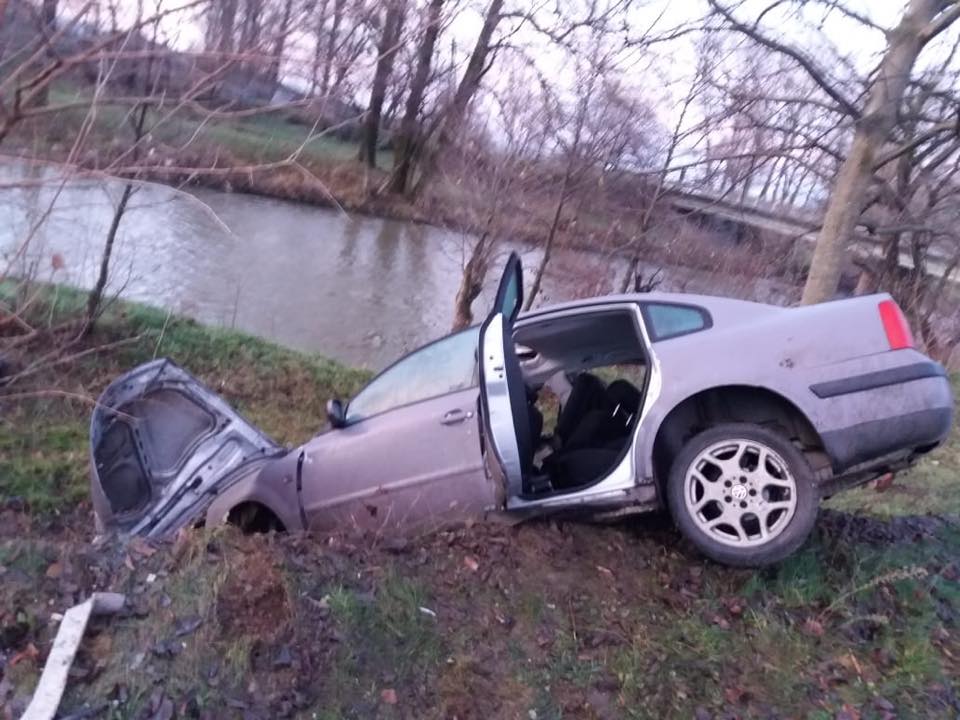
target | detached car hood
[{"x": 162, "y": 447}]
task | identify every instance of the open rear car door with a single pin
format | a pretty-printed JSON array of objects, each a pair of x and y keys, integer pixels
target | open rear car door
[
  {"x": 163, "y": 446},
  {"x": 503, "y": 395}
]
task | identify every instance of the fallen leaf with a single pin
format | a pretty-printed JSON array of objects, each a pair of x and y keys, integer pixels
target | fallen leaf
[
  {"x": 813, "y": 627},
  {"x": 848, "y": 712},
  {"x": 856, "y": 665},
  {"x": 881, "y": 703},
  {"x": 850, "y": 663},
  {"x": 55, "y": 570},
  {"x": 735, "y": 695},
  {"x": 283, "y": 658},
  {"x": 607, "y": 572},
  {"x": 734, "y": 607},
  {"x": 471, "y": 563},
  {"x": 884, "y": 482},
  {"x": 101, "y": 647},
  {"x": 389, "y": 696},
  {"x": 720, "y": 622},
  {"x": 30, "y": 652},
  {"x": 141, "y": 547}
]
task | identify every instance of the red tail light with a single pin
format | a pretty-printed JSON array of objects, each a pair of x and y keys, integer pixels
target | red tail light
[{"x": 895, "y": 325}]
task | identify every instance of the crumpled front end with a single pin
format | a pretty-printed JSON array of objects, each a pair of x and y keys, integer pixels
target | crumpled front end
[{"x": 162, "y": 447}]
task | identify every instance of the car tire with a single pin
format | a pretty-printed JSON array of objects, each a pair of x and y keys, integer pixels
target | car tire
[{"x": 716, "y": 484}]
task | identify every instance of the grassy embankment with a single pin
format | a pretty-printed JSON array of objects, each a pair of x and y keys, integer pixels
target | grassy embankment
[
  {"x": 540, "y": 621},
  {"x": 231, "y": 149}
]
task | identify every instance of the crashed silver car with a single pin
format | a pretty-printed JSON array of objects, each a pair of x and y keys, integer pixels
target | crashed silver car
[{"x": 739, "y": 417}]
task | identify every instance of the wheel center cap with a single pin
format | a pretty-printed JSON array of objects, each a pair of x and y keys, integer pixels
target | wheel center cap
[{"x": 739, "y": 492}]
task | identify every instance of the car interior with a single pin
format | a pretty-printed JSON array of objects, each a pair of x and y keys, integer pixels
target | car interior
[{"x": 585, "y": 376}]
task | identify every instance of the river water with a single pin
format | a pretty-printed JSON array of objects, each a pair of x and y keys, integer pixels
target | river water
[{"x": 356, "y": 288}]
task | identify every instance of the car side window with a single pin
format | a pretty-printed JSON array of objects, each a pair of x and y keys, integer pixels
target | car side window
[
  {"x": 667, "y": 320},
  {"x": 444, "y": 366}
]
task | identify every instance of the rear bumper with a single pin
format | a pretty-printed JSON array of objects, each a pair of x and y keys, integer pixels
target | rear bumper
[{"x": 912, "y": 415}]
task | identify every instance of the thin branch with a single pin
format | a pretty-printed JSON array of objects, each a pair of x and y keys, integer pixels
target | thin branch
[{"x": 797, "y": 56}]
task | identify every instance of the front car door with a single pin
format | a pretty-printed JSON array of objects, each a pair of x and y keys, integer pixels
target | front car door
[
  {"x": 503, "y": 394},
  {"x": 409, "y": 455}
]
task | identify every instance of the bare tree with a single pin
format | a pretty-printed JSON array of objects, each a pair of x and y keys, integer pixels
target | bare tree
[
  {"x": 652, "y": 199},
  {"x": 138, "y": 123},
  {"x": 408, "y": 139},
  {"x": 453, "y": 114},
  {"x": 280, "y": 33},
  {"x": 500, "y": 174},
  {"x": 386, "y": 51},
  {"x": 922, "y": 21},
  {"x": 48, "y": 25}
]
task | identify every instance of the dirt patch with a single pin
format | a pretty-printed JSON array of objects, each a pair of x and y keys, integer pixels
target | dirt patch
[
  {"x": 253, "y": 599},
  {"x": 876, "y": 530}
]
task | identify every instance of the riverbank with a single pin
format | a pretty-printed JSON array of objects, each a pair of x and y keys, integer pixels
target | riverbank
[{"x": 544, "y": 620}]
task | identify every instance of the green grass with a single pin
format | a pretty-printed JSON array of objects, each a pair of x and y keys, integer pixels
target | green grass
[
  {"x": 388, "y": 642},
  {"x": 43, "y": 465},
  {"x": 268, "y": 137}
]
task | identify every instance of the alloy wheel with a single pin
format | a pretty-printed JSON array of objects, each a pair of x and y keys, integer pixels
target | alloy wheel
[{"x": 740, "y": 493}]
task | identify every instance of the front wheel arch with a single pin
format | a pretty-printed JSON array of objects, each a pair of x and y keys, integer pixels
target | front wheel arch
[
  {"x": 255, "y": 518},
  {"x": 249, "y": 492}
]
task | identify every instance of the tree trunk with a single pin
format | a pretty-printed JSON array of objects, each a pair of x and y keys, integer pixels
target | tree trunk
[
  {"x": 138, "y": 121},
  {"x": 768, "y": 180},
  {"x": 95, "y": 298},
  {"x": 646, "y": 220},
  {"x": 471, "y": 283},
  {"x": 250, "y": 37},
  {"x": 318, "y": 37},
  {"x": 406, "y": 142},
  {"x": 332, "y": 40},
  {"x": 227, "y": 23},
  {"x": 276, "y": 59},
  {"x": 48, "y": 19},
  {"x": 469, "y": 83},
  {"x": 551, "y": 237},
  {"x": 386, "y": 52},
  {"x": 872, "y": 130}
]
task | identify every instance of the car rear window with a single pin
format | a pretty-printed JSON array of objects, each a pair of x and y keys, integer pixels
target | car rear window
[{"x": 667, "y": 320}]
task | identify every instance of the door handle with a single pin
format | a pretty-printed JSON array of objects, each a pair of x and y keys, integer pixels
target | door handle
[{"x": 452, "y": 417}]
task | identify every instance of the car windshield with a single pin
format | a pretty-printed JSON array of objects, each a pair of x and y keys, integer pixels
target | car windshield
[{"x": 444, "y": 366}]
